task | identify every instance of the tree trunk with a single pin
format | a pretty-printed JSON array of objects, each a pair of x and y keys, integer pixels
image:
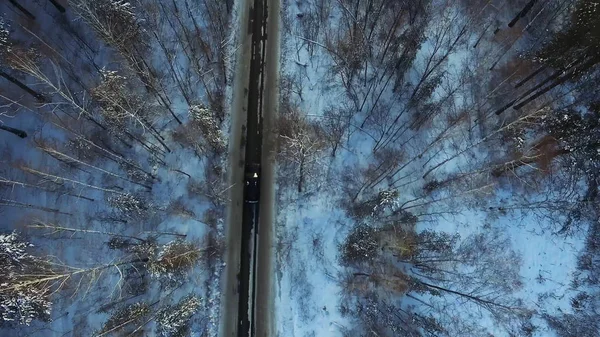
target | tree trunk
[
  {"x": 72, "y": 160},
  {"x": 526, "y": 160},
  {"x": 481, "y": 36},
  {"x": 164, "y": 100},
  {"x": 62, "y": 180},
  {"x": 522, "y": 119},
  {"x": 475, "y": 299},
  {"x": 301, "y": 175},
  {"x": 57, "y": 229},
  {"x": 22, "y": 184},
  {"x": 107, "y": 152}
]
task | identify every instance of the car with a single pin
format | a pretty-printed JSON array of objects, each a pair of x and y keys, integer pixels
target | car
[{"x": 252, "y": 183}]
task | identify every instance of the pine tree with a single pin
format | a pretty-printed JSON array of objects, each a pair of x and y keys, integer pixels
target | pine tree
[
  {"x": 172, "y": 321},
  {"x": 360, "y": 245}
]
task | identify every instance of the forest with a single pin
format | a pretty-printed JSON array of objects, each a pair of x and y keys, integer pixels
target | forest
[
  {"x": 437, "y": 167},
  {"x": 112, "y": 117}
]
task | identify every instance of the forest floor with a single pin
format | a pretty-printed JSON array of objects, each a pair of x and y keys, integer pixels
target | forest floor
[
  {"x": 179, "y": 204},
  {"x": 312, "y": 225}
]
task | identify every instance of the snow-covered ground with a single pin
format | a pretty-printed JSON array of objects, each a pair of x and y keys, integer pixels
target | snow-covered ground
[
  {"x": 311, "y": 225},
  {"x": 309, "y": 230},
  {"x": 178, "y": 206}
]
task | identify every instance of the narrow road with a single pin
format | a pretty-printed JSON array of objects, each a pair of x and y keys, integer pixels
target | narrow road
[
  {"x": 247, "y": 304},
  {"x": 265, "y": 271}
]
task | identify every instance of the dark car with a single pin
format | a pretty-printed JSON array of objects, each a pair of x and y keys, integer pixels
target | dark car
[{"x": 252, "y": 183}]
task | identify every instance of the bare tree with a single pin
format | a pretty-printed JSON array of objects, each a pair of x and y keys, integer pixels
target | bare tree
[
  {"x": 299, "y": 146},
  {"x": 61, "y": 190},
  {"x": 51, "y": 229},
  {"x": 174, "y": 320},
  {"x": 47, "y": 148},
  {"x": 172, "y": 262},
  {"x": 480, "y": 271},
  {"x": 118, "y": 25},
  {"x": 19, "y": 204},
  {"x": 35, "y": 279},
  {"x": 20, "y": 302},
  {"x": 52, "y": 178},
  {"x": 124, "y": 318},
  {"x": 336, "y": 123},
  {"x": 121, "y": 105}
]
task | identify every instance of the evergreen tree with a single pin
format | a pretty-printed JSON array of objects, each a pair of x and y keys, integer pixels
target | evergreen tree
[{"x": 360, "y": 245}]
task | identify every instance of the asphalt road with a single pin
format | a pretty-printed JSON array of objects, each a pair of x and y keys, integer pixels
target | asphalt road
[
  {"x": 247, "y": 304},
  {"x": 265, "y": 268},
  {"x": 250, "y": 211}
]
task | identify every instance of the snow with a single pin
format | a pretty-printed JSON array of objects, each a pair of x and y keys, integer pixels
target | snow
[
  {"x": 306, "y": 277},
  {"x": 171, "y": 211},
  {"x": 308, "y": 285},
  {"x": 310, "y": 226},
  {"x": 21, "y": 305}
]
